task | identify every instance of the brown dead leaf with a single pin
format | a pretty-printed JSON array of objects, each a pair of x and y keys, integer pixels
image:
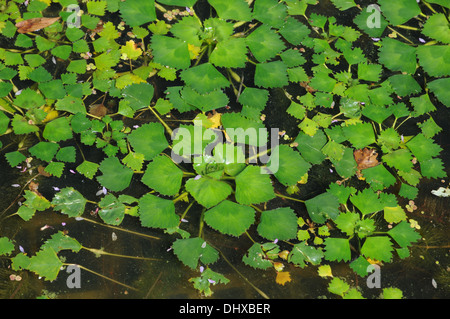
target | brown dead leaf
[
  {"x": 34, "y": 24},
  {"x": 366, "y": 158},
  {"x": 41, "y": 170},
  {"x": 98, "y": 110},
  {"x": 34, "y": 188}
]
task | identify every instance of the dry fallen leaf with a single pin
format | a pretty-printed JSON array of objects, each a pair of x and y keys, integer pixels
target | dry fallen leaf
[
  {"x": 98, "y": 110},
  {"x": 366, "y": 158},
  {"x": 34, "y": 24}
]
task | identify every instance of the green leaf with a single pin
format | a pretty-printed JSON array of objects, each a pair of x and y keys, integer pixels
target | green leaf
[
  {"x": 40, "y": 74},
  {"x": 29, "y": 99},
  {"x": 88, "y": 169},
  {"x": 44, "y": 150},
  {"x": 404, "y": 234},
  {"x": 192, "y": 250},
  {"x": 423, "y": 148},
  {"x": 255, "y": 257},
  {"x": 21, "y": 126},
  {"x": 359, "y": 134},
  {"x": 294, "y": 31},
  {"x": 77, "y": 66},
  {"x": 15, "y": 158},
  {"x": 400, "y": 11},
  {"x": 264, "y": 43},
  {"x": 136, "y": 12},
  {"x": 254, "y": 97},
  {"x": 230, "y": 218},
  {"x": 400, "y": 159},
  {"x": 53, "y": 89},
  {"x": 322, "y": 207},
  {"x": 204, "y": 78},
  {"x": 163, "y": 176},
  {"x": 232, "y": 9},
  {"x": 394, "y": 214},
  {"x": 58, "y": 130},
  {"x": 367, "y": 201},
  {"x": 25, "y": 212},
  {"x": 432, "y": 168},
  {"x": 148, "y": 140},
  {"x": 208, "y": 191},
  {"x": 97, "y": 7},
  {"x": 66, "y": 154},
  {"x": 404, "y": 84},
  {"x": 170, "y": 51},
  {"x": 435, "y": 59},
  {"x": 369, "y": 72},
  {"x": 253, "y": 186},
  {"x": 69, "y": 201},
  {"x": 440, "y": 89},
  {"x": 111, "y": 210},
  {"x": 270, "y": 12},
  {"x": 242, "y": 130},
  {"x": 334, "y": 151},
  {"x": 45, "y": 264},
  {"x": 59, "y": 241},
  {"x": 116, "y": 177},
  {"x": 379, "y": 177},
  {"x": 337, "y": 249},
  {"x": 35, "y": 201},
  {"x": 55, "y": 168},
  {"x": 347, "y": 222},
  {"x": 344, "y": 4},
  {"x": 429, "y": 128},
  {"x": 157, "y": 212},
  {"x": 289, "y": 165},
  {"x": 71, "y": 104},
  {"x": 397, "y": 56},
  {"x": 133, "y": 160},
  {"x": 271, "y": 74},
  {"x": 392, "y": 293},
  {"x": 138, "y": 95},
  {"x": 188, "y": 29},
  {"x": 338, "y": 286},
  {"x": 302, "y": 253},
  {"x": 230, "y": 53},
  {"x": 378, "y": 248},
  {"x": 280, "y": 223},
  {"x": 310, "y": 146},
  {"x": 6, "y": 246},
  {"x": 205, "y": 102},
  {"x": 437, "y": 28}
]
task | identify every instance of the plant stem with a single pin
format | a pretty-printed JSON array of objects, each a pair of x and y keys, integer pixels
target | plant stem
[
  {"x": 182, "y": 196},
  {"x": 102, "y": 252},
  {"x": 243, "y": 277},
  {"x": 169, "y": 130},
  {"x": 121, "y": 229},
  {"x": 102, "y": 276},
  {"x": 290, "y": 198}
]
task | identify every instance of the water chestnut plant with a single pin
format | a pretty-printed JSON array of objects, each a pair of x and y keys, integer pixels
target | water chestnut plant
[{"x": 176, "y": 96}]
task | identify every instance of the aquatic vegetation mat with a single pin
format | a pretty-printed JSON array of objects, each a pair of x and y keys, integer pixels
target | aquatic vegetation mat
[{"x": 176, "y": 96}]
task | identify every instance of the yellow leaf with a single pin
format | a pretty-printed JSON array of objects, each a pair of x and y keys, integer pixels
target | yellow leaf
[
  {"x": 130, "y": 50},
  {"x": 324, "y": 271},
  {"x": 193, "y": 51},
  {"x": 283, "y": 277}
]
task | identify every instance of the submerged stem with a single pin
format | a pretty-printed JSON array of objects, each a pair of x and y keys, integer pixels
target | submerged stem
[
  {"x": 118, "y": 228},
  {"x": 290, "y": 198},
  {"x": 102, "y": 276},
  {"x": 102, "y": 252}
]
